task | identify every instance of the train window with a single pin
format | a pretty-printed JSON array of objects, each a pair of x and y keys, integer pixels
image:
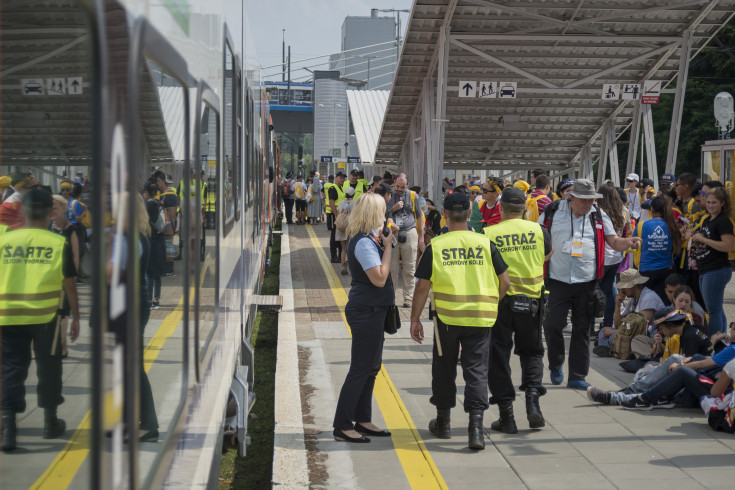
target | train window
[
  {"x": 232, "y": 140},
  {"x": 206, "y": 283},
  {"x": 161, "y": 152},
  {"x": 49, "y": 100}
]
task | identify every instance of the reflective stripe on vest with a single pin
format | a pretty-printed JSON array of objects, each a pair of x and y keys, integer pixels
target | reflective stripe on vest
[
  {"x": 464, "y": 280},
  {"x": 521, "y": 243},
  {"x": 32, "y": 278}
]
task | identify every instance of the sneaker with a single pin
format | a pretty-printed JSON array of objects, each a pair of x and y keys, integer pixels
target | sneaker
[
  {"x": 578, "y": 384},
  {"x": 557, "y": 376},
  {"x": 598, "y": 396},
  {"x": 155, "y": 305},
  {"x": 345, "y": 271},
  {"x": 601, "y": 351},
  {"x": 636, "y": 404},
  {"x": 664, "y": 404}
]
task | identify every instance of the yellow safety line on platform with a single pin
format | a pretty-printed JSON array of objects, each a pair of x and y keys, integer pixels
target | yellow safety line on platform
[
  {"x": 65, "y": 466},
  {"x": 417, "y": 463}
]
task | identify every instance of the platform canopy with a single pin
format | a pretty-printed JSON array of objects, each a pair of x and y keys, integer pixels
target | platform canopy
[
  {"x": 559, "y": 54},
  {"x": 367, "y": 110}
]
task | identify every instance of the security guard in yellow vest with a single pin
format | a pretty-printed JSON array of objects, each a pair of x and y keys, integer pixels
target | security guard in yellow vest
[
  {"x": 360, "y": 185},
  {"x": 469, "y": 278},
  {"x": 335, "y": 195},
  {"x": 210, "y": 207},
  {"x": 524, "y": 246},
  {"x": 3, "y": 228},
  {"x": 37, "y": 266}
]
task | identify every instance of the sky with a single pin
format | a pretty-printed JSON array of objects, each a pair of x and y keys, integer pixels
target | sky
[{"x": 313, "y": 27}]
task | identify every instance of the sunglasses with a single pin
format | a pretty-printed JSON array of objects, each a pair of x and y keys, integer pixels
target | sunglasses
[
  {"x": 485, "y": 191},
  {"x": 474, "y": 193}
]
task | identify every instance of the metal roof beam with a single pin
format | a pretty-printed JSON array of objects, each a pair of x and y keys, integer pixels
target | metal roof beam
[
  {"x": 602, "y": 38},
  {"x": 44, "y": 57},
  {"x": 639, "y": 12},
  {"x": 500, "y": 62}
]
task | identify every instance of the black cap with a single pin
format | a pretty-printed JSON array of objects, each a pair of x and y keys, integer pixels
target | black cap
[
  {"x": 331, "y": 177},
  {"x": 376, "y": 178},
  {"x": 38, "y": 199},
  {"x": 354, "y": 172},
  {"x": 341, "y": 174},
  {"x": 456, "y": 201},
  {"x": 299, "y": 176},
  {"x": 387, "y": 175},
  {"x": 513, "y": 195},
  {"x": 644, "y": 183},
  {"x": 201, "y": 172},
  {"x": 387, "y": 188}
]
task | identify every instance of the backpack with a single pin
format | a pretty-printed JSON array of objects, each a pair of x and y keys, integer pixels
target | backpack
[
  {"x": 532, "y": 213},
  {"x": 298, "y": 190},
  {"x": 343, "y": 219},
  {"x": 310, "y": 195},
  {"x": 632, "y": 325},
  {"x": 86, "y": 217},
  {"x": 286, "y": 188},
  {"x": 596, "y": 219}
]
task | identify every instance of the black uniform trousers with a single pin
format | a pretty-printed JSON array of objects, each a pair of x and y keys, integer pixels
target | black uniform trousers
[
  {"x": 528, "y": 346},
  {"x": 16, "y": 351},
  {"x": 355, "y": 402},
  {"x": 578, "y": 297},
  {"x": 335, "y": 247},
  {"x": 475, "y": 342},
  {"x": 288, "y": 203}
]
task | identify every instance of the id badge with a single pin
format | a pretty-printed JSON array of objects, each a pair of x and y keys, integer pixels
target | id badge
[
  {"x": 567, "y": 248},
  {"x": 399, "y": 221},
  {"x": 577, "y": 249}
]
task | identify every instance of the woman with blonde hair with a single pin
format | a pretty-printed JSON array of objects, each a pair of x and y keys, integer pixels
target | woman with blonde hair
[{"x": 371, "y": 294}]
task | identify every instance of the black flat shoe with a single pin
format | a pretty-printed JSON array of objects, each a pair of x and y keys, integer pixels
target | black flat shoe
[
  {"x": 341, "y": 436},
  {"x": 377, "y": 433},
  {"x": 150, "y": 436}
]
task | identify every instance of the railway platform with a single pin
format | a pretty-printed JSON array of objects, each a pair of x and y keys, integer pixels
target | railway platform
[{"x": 583, "y": 445}]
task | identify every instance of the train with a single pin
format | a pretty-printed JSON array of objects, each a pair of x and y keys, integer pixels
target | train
[{"x": 114, "y": 90}]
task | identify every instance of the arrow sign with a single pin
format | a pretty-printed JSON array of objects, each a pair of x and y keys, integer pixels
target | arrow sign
[
  {"x": 467, "y": 89},
  {"x": 74, "y": 85}
]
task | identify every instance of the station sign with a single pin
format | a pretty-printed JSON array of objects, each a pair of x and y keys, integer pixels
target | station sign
[
  {"x": 326, "y": 159},
  {"x": 467, "y": 89},
  {"x": 631, "y": 91},
  {"x": 651, "y": 91},
  {"x": 611, "y": 91},
  {"x": 353, "y": 160},
  {"x": 487, "y": 89}
]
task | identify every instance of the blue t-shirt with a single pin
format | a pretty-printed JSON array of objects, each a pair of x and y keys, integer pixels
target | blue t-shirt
[
  {"x": 366, "y": 253},
  {"x": 74, "y": 211},
  {"x": 725, "y": 355},
  {"x": 657, "y": 246}
]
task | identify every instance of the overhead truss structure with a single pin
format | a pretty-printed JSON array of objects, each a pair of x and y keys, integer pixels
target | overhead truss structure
[{"x": 560, "y": 53}]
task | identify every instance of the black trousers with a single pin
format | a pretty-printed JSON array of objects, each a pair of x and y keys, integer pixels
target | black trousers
[
  {"x": 657, "y": 281},
  {"x": 289, "y": 209},
  {"x": 356, "y": 397},
  {"x": 578, "y": 297},
  {"x": 475, "y": 342},
  {"x": 335, "y": 248},
  {"x": 16, "y": 351},
  {"x": 528, "y": 346}
]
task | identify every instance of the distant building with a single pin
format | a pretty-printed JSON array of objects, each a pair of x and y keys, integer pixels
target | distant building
[{"x": 375, "y": 65}]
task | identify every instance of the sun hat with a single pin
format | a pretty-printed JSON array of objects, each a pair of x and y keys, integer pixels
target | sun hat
[
  {"x": 630, "y": 278},
  {"x": 632, "y": 177},
  {"x": 584, "y": 189}
]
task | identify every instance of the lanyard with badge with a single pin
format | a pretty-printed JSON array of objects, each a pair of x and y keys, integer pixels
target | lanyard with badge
[
  {"x": 399, "y": 215},
  {"x": 575, "y": 247}
]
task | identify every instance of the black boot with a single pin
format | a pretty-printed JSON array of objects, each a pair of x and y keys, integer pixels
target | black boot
[
  {"x": 533, "y": 410},
  {"x": 9, "y": 430},
  {"x": 506, "y": 423},
  {"x": 440, "y": 426},
  {"x": 474, "y": 431},
  {"x": 53, "y": 427}
]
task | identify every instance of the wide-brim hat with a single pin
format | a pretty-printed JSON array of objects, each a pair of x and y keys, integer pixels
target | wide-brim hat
[
  {"x": 584, "y": 189},
  {"x": 630, "y": 278}
]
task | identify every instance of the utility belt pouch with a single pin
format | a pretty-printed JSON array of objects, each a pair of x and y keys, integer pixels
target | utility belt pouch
[{"x": 522, "y": 304}]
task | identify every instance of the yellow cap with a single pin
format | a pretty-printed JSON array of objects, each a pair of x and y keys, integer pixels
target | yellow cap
[
  {"x": 4, "y": 181},
  {"x": 475, "y": 188},
  {"x": 522, "y": 185},
  {"x": 66, "y": 185}
]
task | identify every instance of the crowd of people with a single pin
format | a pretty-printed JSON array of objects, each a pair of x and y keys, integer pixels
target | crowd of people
[
  {"x": 48, "y": 233},
  {"x": 642, "y": 272}
]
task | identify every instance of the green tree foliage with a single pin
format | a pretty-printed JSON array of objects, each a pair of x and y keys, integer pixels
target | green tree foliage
[{"x": 710, "y": 72}]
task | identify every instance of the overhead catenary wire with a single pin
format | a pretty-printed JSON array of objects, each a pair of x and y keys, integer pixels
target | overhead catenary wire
[
  {"x": 330, "y": 54},
  {"x": 372, "y": 67},
  {"x": 330, "y": 62}
]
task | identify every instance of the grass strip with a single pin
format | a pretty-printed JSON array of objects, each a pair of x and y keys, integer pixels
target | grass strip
[{"x": 256, "y": 469}]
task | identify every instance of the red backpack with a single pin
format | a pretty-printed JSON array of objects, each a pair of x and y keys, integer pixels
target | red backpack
[
  {"x": 286, "y": 188},
  {"x": 596, "y": 219}
]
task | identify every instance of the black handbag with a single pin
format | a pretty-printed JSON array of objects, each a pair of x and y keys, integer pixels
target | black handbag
[{"x": 392, "y": 320}]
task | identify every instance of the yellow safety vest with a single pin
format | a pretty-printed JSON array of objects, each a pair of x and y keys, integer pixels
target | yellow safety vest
[
  {"x": 32, "y": 279},
  {"x": 521, "y": 243},
  {"x": 359, "y": 188},
  {"x": 340, "y": 195},
  {"x": 210, "y": 198},
  {"x": 3, "y": 228},
  {"x": 464, "y": 280}
]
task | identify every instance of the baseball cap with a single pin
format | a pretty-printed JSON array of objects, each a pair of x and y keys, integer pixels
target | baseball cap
[
  {"x": 354, "y": 172},
  {"x": 632, "y": 177},
  {"x": 456, "y": 201},
  {"x": 38, "y": 199},
  {"x": 350, "y": 191},
  {"x": 668, "y": 314},
  {"x": 341, "y": 174},
  {"x": 513, "y": 195},
  {"x": 644, "y": 183},
  {"x": 668, "y": 178},
  {"x": 299, "y": 176}
]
